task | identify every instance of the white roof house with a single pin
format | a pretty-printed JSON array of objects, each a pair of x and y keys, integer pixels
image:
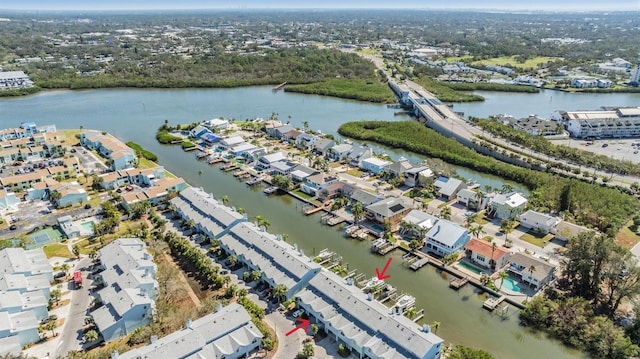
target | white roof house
[
  {"x": 446, "y": 237},
  {"x": 421, "y": 219},
  {"x": 228, "y": 332},
  {"x": 28, "y": 262},
  {"x": 266, "y": 161},
  {"x": 231, "y": 141},
  {"x": 509, "y": 205},
  {"x": 448, "y": 187},
  {"x": 539, "y": 221}
]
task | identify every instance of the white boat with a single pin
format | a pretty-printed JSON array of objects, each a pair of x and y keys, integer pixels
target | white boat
[
  {"x": 372, "y": 283},
  {"x": 405, "y": 302},
  {"x": 352, "y": 228},
  {"x": 378, "y": 242},
  {"x": 270, "y": 190}
]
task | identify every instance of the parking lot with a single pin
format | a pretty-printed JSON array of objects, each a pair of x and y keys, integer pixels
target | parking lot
[{"x": 620, "y": 149}]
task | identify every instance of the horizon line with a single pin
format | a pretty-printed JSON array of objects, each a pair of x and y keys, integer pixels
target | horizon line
[{"x": 500, "y": 9}]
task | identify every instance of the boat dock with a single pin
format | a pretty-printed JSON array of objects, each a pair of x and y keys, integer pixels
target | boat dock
[
  {"x": 201, "y": 155},
  {"x": 492, "y": 303},
  {"x": 386, "y": 248},
  {"x": 240, "y": 173},
  {"x": 229, "y": 167},
  {"x": 419, "y": 263},
  {"x": 270, "y": 190},
  {"x": 457, "y": 283},
  {"x": 216, "y": 159},
  {"x": 333, "y": 220},
  {"x": 278, "y": 87},
  {"x": 351, "y": 228},
  {"x": 254, "y": 181}
]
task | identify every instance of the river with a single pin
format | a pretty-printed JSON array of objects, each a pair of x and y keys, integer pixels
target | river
[{"x": 135, "y": 114}]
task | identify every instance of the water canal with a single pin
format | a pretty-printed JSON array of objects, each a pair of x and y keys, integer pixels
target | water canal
[{"x": 135, "y": 114}]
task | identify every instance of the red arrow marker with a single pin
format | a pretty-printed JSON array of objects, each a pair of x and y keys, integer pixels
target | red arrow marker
[
  {"x": 304, "y": 324},
  {"x": 381, "y": 275}
]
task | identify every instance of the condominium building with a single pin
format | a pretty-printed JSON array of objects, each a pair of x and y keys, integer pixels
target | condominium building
[{"x": 606, "y": 123}]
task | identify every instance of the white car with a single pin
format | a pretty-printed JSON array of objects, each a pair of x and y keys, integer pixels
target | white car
[{"x": 297, "y": 313}]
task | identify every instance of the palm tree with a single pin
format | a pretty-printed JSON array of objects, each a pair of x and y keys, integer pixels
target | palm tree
[
  {"x": 502, "y": 275},
  {"x": 532, "y": 269},
  {"x": 65, "y": 269},
  {"x": 507, "y": 188},
  {"x": 91, "y": 336},
  {"x": 255, "y": 275},
  {"x": 479, "y": 198},
  {"x": 233, "y": 259},
  {"x": 471, "y": 220},
  {"x": 76, "y": 251},
  {"x": 242, "y": 292},
  {"x": 305, "y": 124},
  {"x": 492, "y": 261},
  {"x": 476, "y": 231},
  {"x": 506, "y": 227},
  {"x": 411, "y": 312},
  {"x": 445, "y": 213},
  {"x": 357, "y": 211},
  {"x": 225, "y": 200},
  {"x": 279, "y": 291},
  {"x": 51, "y": 325},
  {"x": 434, "y": 326}
]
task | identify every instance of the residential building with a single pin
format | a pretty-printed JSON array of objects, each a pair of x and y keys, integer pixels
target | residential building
[
  {"x": 278, "y": 131},
  {"x": 301, "y": 172},
  {"x": 399, "y": 167},
  {"x": 265, "y": 162},
  {"x": 199, "y": 131},
  {"x": 26, "y": 130},
  {"x": 417, "y": 223},
  {"x": 230, "y": 142},
  {"x": 306, "y": 141},
  {"x": 391, "y": 209},
  {"x": 365, "y": 326},
  {"x": 580, "y": 82},
  {"x": 8, "y": 199},
  {"x": 533, "y": 271},
  {"x": 291, "y": 136},
  {"x": 507, "y": 206},
  {"x": 154, "y": 194},
  {"x": 635, "y": 77},
  {"x": 536, "y": 126},
  {"x": 216, "y": 124},
  {"x": 283, "y": 168},
  {"x": 279, "y": 262},
  {"x": 31, "y": 262},
  {"x": 357, "y": 154},
  {"x": 448, "y": 187},
  {"x": 417, "y": 176},
  {"x": 607, "y": 123},
  {"x": 210, "y": 216},
  {"x": 374, "y": 165},
  {"x": 364, "y": 198},
  {"x": 313, "y": 184},
  {"x": 486, "y": 254},
  {"x": 227, "y": 333},
  {"x": 339, "y": 152},
  {"x": 11, "y": 80},
  {"x": 68, "y": 194},
  {"x": 129, "y": 293},
  {"x": 537, "y": 221},
  {"x": 16, "y": 302},
  {"x": 322, "y": 145},
  {"x": 119, "y": 155},
  {"x": 22, "y": 325},
  {"x": 446, "y": 237},
  {"x": 10, "y": 345}
]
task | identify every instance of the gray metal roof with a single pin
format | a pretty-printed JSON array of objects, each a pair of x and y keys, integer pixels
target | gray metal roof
[
  {"x": 18, "y": 260},
  {"x": 446, "y": 232},
  {"x": 390, "y": 206},
  {"x": 364, "y": 197}
]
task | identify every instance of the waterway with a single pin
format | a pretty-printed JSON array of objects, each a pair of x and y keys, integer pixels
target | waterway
[
  {"x": 543, "y": 103},
  {"x": 133, "y": 115}
]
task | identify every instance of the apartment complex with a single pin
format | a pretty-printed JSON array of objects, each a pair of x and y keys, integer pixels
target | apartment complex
[{"x": 605, "y": 123}]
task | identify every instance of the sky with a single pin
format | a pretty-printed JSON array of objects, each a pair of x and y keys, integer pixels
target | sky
[{"x": 551, "y": 5}]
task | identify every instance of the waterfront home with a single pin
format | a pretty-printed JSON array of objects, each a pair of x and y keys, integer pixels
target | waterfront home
[
  {"x": 417, "y": 176},
  {"x": 306, "y": 141},
  {"x": 23, "y": 326},
  {"x": 399, "y": 167},
  {"x": 540, "y": 222},
  {"x": 374, "y": 165},
  {"x": 313, "y": 184},
  {"x": 486, "y": 254},
  {"x": 279, "y": 262},
  {"x": 245, "y": 150},
  {"x": 334, "y": 190},
  {"x": 339, "y": 152},
  {"x": 265, "y": 162},
  {"x": 357, "y": 154},
  {"x": 448, "y": 187},
  {"x": 10, "y": 80},
  {"x": 216, "y": 124},
  {"x": 198, "y": 132},
  {"x": 301, "y": 172},
  {"x": 26, "y": 130},
  {"x": 283, "y": 168},
  {"x": 8, "y": 199},
  {"x": 210, "y": 216},
  {"x": 128, "y": 297},
  {"x": 418, "y": 219},
  {"x": 210, "y": 138},
  {"x": 279, "y": 131},
  {"x": 226, "y": 333},
  {"x": 229, "y": 142},
  {"x": 507, "y": 206},
  {"x": 534, "y": 271},
  {"x": 363, "y": 325},
  {"x": 391, "y": 209},
  {"x": 120, "y": 155},
  {"x": 270, "y": 127},
  {"x": 446, "y": 237},
  {"x": 536, "y": 126},
  {"x": 466, "y": 197},
  {"x": 291, "y": 136},
  {"x": 364, "y": 198},
  {"x": 322, "y": 145}
]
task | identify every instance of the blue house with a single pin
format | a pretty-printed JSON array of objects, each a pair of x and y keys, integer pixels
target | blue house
[{"x": 446, "y": 237}]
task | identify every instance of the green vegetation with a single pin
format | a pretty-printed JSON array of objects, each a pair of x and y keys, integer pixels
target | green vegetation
[
  {"x": 519, "y": 62},
  {"x": 141, "y": 152},
  {"x": 20, "y": 92},
  {"x": 462, "y": 352},
  {"x": 372, "y": 90},
  {"x": 602, "y": 207},
  {"x": 444, "y": 92},
  {"x": 484, "y": 86},
  {"x": 219, "y": 69},
  {"x": 58, "y": 250},
  {"x": 536, "y": 239},
  {"x": 164, "y": 137},
  {"x": 186, "y": 144},
  {"x": 542, "y": 145}
]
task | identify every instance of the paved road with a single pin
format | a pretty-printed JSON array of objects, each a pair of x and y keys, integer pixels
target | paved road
[
  {"x": 288, "y": 346},
  {"x": 80, "y": 299}
]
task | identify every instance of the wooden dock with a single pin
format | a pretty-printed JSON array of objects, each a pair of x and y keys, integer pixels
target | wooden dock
[
  {"x": 228, "y": 167},
  {"x": 335, "y": 220},
  {"x": 278, "y": 87},
  {"x": 492, "y": 303},
  {"x": 215, "y": 160},
  {"x": 386, "y": 248},
  {"x": 458, "y": 283},
  {"x": 254, "y": 181},
  {"x": 419, "y": 263}
]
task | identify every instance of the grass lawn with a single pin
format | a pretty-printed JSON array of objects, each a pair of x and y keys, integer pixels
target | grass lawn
[
  {"x": 144, "y": 163},
  {"x": 466, "y": 58},
  {"x": 58, "y": 250},
  {"x": 355, "y": 172},
  {"x": 626, "y": 237},
  {"x": 510, "y": 60},
  {"x": 535, "y": 240},
  {"x": 481, "y": 218},
  {"x": 298, "y": 192},
  {"x": 71, "y": 136},
  {"x": 368, "y": 51}
]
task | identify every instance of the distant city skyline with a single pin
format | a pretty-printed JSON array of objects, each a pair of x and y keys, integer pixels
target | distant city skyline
[{"x": 549, "y": 5}]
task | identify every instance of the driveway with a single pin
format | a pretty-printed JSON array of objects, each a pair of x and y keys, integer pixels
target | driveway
[{"x": 288, "y": 346}]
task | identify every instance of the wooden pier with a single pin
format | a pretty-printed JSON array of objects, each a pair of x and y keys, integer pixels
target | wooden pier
[
  {"x": 254, "y": 181},
  {"x": 419, "y": 263},
  {"x": 492, "y": 303},
  {"x": 382, "y": 250},
  {"x": 278, "y": 87},
  {"x": 458, "y": 283},
  {"x": 228, "y": 167},
  {"x": 335, "y": 220},
  {"x": 215, "y": 160},
  {"x": 240, "y": 173}
]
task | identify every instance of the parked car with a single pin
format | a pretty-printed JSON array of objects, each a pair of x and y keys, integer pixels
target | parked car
[
  {"x": 13, "y": 227},
  {"x": 297, "y": 313}
]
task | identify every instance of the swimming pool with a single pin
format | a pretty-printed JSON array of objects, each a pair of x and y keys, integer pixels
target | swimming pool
[
  {"x": 87, "y": 226},
  {"x": 470, "y": 268},
  {"x": 510, "y": 284}
]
